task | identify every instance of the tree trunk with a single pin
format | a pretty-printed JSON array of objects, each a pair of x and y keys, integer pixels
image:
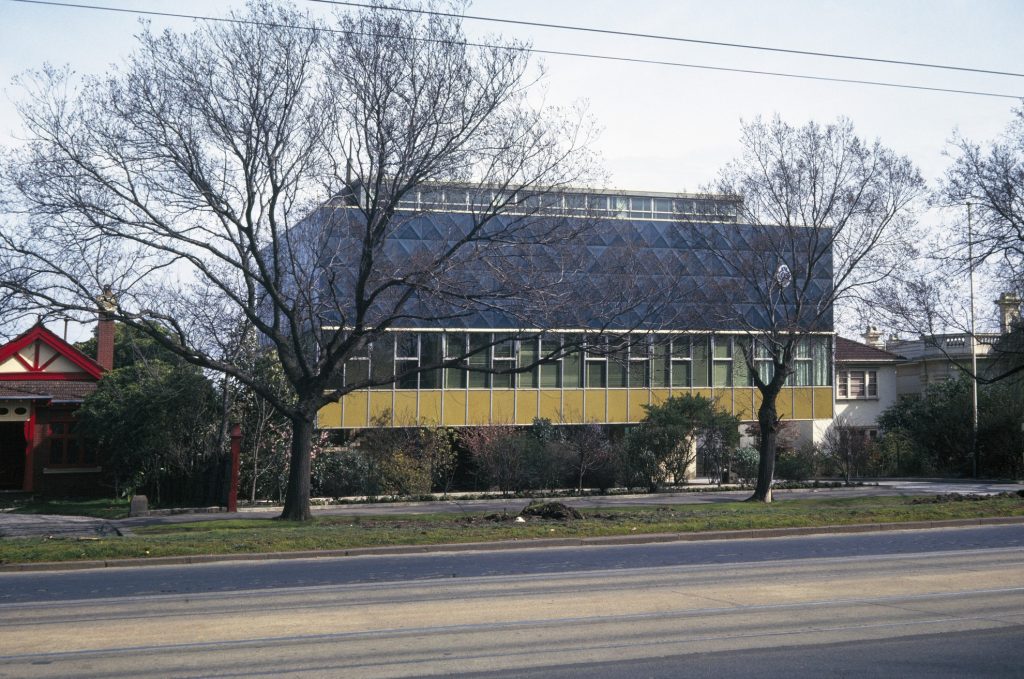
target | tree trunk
[
  {"x": 296, "y": 501},
  {"x": 767, "y": 418}
]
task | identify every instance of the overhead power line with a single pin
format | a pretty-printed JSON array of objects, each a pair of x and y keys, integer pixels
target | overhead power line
[
  {"x": 670, "y": 38},
  {"x": 535, "y": 50}
]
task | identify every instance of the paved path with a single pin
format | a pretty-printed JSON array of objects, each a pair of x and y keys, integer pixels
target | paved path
[
  {"x": 27, "y": 525},
  {"x": 41, "y": 525}
]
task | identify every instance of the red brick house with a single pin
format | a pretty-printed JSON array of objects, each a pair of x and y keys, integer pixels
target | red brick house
[{"x": 43, "y": 381}]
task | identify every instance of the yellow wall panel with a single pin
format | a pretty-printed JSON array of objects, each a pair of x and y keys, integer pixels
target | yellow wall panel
[
  {"x": 503, "y": 403},
  {"x": 617, "y": 405},
  {"x": 430, "y": 408},
  {"x": 479, "y": 406},
  {"x": 784, "y": 404},
  {"x": 454, "y": 407},
  {"x": 381, "y": 406},
  {"x": 757, "y": 402},
  {"x": 822, "y": 403},
  {"x": 595, "y": 406},
  {"x": 354, "y": 408},
  {"x": 572, "y": 406},
  {"x": 526, "y": 406},
  {"x": 550, "y": 405},
  {"x": 659, "y": 395},
  {"x": 802, "y": 397},
  {"x": 405, "y": 409},
  {"x": 329, "y": 417},
  {"x": 638, "y": 398},
  {"x": 744, "y": 399}
]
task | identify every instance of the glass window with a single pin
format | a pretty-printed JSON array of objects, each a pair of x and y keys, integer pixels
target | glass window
[
  {"x": 661, "y": 363},
  {"x": 640, "y": 208},
  {"x": 66, "y": 446},
  {"x": 571, "y": 364},
  {"x": 407, "y": 357},
  {"x": 479, "y": 360},
  {"x": 551, "y": 369},
  {"x": 699, "y": 372},
  {"x": 596, "y": 364},
  {"x": 528, "y": 356},
  {"x": 382, "y": 361},
  {"x": 504, "y": 359},
  {"x": 597, "y": 374},
  {"x": 618, "y": 364},
  {"x": 722, "y": 364},
  {"x": 454, "y": 347},
  {"x": 430, "y": 354}
]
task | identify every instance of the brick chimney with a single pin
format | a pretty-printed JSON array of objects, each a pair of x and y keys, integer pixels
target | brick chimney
[
  {"x": 872, "y": 337},
  {"x": 105, "y": 329},
  {"x": 1009, "y": 311}
]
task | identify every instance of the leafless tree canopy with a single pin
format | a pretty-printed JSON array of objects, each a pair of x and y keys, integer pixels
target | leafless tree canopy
[
  {"x": 183, "y": 178},
  {"x": 992, "y": 180},
  {"x": 837, "y": 217}
]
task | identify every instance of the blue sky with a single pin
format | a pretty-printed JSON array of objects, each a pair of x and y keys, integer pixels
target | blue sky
[{"x": 670, "y": 129}]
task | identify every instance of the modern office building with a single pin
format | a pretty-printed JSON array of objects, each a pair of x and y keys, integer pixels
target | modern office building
[{"x": 605, "y": 365}]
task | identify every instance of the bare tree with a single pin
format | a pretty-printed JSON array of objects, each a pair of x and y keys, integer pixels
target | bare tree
[
  {"x": 259, "y": 169},
  {"x": 982, "y": 194},
  {"x": 846, "y": 447},
  {"x": 830, "y": 217},
  {"x": 992, "y": 181}
]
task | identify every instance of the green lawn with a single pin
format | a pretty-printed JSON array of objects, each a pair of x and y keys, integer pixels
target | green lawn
[{"x": 235, "y": 536}]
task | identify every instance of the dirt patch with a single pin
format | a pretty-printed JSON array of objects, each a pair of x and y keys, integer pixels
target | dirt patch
[
  {"x": 551, "y": 511},
  {"x": 943, "y": 498}
]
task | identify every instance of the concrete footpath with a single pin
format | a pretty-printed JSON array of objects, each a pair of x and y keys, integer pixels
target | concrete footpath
[{"x": 43, "y": 525}]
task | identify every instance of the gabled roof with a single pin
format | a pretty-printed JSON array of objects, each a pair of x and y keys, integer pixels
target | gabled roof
[
  {"x": 850, "y": 351},
  {"x": 38, "y": 354}
]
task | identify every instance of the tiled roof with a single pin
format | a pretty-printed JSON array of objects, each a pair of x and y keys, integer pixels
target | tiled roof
[
  {"x": 55, "y": 390},
  {"x": 850, "y": 351}
]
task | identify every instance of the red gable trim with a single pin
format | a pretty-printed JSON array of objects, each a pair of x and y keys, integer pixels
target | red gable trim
[{"x": 38, "y": 332}]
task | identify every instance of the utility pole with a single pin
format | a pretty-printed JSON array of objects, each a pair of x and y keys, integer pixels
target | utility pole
[{"x": 974, "y": 352}]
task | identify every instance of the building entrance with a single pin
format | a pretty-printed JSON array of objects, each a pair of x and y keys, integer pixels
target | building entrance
[{"x": 12, "y": 455}]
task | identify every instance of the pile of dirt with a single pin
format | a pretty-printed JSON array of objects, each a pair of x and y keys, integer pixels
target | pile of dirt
[
  {"x": 552, "y": 511},
  {"x": 942, "y": 498}
]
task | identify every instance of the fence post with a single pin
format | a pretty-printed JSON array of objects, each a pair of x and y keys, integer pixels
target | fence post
[{"x": 236, "y": 453}]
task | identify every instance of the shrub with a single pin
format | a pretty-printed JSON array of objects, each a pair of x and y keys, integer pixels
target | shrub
[{"x": 745, "y": 462}]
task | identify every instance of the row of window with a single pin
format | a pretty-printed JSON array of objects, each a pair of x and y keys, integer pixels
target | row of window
[
  {"x": 622, "y": 207},
  {"x": 492, "y": 361}
]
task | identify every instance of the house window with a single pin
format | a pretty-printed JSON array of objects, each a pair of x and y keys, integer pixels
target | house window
[
  {"x": 857, "y": 384},
  {"x": 454, "y": 348},
  {"x": 66, "y": 445},
  {"x": 504, "y": 351},
  {"x": 681, "y": 353},
  {"x": 596, "y": 365},
  {"x": 722, "y": 361},
  {"x": 407, "y": 358}
]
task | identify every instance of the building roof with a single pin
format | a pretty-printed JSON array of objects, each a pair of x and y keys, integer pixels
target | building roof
[
  {"x": 612, "y": 274},
  {"x": 24, "y": 360},
  {"x": 851, "y": 351},
  {"x": 48, "y": 390}
]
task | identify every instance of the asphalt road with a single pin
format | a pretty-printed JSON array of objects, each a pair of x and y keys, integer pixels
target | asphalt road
[{"x": 949, "y": 602}]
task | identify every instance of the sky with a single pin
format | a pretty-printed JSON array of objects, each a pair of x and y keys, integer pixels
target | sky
[{"x": 667, "y": 128}]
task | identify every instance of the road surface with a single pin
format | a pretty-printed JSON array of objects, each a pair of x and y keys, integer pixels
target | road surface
[{"x": 937, "y": 602}]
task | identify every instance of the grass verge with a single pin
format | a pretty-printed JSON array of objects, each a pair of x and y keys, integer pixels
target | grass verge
[{"x": 240, "y": 536}]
